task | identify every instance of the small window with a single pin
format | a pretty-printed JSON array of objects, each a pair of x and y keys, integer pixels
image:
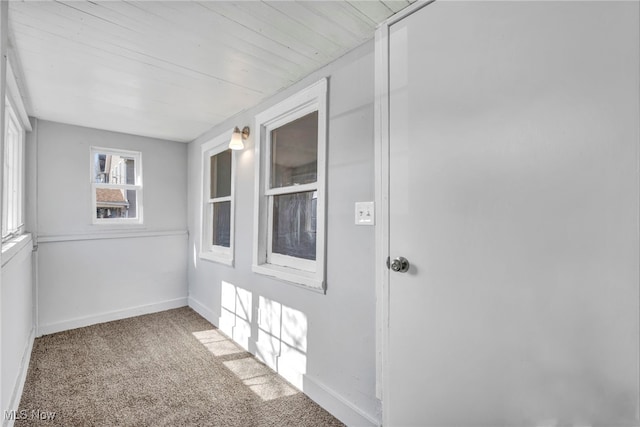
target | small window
[
  {"x": 290, "y": 152},
  {"x": 116, "y": 186},
  {"x": 13, "y": 176},
  {"x": 218, "y": 166}
]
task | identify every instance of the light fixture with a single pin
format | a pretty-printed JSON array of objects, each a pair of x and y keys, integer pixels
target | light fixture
[{"x": 237, "y": 137}]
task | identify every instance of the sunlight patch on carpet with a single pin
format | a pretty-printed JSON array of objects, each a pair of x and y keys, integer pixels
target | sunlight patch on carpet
[
  {"x": 264, "y": 382},
  {"x": 216, "y": 343}
]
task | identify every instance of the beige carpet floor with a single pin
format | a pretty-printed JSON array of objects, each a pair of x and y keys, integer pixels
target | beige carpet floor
[{"x": 164, "y": 369}]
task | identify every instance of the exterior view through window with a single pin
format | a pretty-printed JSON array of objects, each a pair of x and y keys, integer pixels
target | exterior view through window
[
  {"x": 294, "y": 162},
  {"x": 116, "y": 186},
  {"x": 220, "y": 199}
]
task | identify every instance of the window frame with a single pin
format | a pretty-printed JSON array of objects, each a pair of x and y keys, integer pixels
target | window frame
[
  {"x": 138, "y": 186},
  {"x": 209, "y": 251},
  {"x": 298, "y": 271},
  {"x": 13, "y": 169}
]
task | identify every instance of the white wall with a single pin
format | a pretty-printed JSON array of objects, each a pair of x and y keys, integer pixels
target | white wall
[
  {"x": 17, "y": 320},
  {"x": 64, "y": 203},
  {"x": 16, "y": 284},
  {"x": 93, "y": 273},
  {"x": 326, "y": 342}
]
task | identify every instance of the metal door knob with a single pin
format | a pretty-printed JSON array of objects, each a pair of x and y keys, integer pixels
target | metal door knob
[{"x": 400, "y": 265}]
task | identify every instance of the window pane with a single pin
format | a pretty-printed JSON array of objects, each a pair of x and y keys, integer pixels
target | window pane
[
  {"x": 130, "y": 171},
  {"x": 13, "y": 169},
  {"x": 221, "y": 174},
  {"x": 113, "y": 169},
  {"x": 221, "y": 226},
  {"x": 294, "y": 225},
  {"x": 116, "y": 203},
  {"x": 294, "y": 152},
  {"x": 132, "y": 199},
  {"x": 6, "y": 186}
]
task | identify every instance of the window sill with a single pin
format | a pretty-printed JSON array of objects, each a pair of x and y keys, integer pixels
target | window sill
[
  {"x": 220, "y": 259},
  {"x": 302, "y": 279},
  {"x": 12, "y": 247},
  {"x": 118, "y": 223}
]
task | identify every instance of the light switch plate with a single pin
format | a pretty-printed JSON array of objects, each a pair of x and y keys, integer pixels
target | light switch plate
[{"x": 365, "y": 213}]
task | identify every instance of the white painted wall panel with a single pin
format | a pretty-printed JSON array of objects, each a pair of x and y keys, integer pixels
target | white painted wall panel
[
  {"x": 89, "y": 281},
  {"x": 325, "y": 343},
  {"x": 94, "y": 273},
  {"x": 17, "y": 323}
]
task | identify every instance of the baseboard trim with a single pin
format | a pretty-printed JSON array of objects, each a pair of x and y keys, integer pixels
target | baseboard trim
[
  {"x": 203, "y": 311},
  {"x": 134, "y": 232},
  {"x": 337, "y": 405},
  {"x": 109, "y": 316},
  {"x": 18, "y": 387}
]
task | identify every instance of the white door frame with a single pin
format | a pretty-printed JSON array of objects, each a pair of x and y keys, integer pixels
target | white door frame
[{"x": 381, "y": 136}]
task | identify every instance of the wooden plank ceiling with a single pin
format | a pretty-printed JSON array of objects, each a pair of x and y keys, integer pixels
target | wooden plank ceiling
[{"x": 170, "y": 69}]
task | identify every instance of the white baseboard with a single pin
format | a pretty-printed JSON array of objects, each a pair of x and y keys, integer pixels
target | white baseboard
[
  {"x": 337, "y": 405},
  {"x": 203, "y": 311},
  {"x": 18, "y": 387},
  {"x": 80, "y": 322}
]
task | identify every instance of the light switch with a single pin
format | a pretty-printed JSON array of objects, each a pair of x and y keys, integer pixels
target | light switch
[{"x": 365, "y": 213}]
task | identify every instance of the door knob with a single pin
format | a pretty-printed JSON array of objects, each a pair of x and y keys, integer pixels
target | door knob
[{"x": 399, "y": 265}]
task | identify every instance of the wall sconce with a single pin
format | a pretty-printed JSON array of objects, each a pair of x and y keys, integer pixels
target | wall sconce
[{"x": 237, "y": 137}]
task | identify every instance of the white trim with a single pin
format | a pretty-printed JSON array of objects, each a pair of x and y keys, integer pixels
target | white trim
[
  {"x": 295, "y": 106},
  {"x": 409, "y": 10},
  {"x": 116, "y": 234},
  {"x": 302, "y": 188},
  {"x": 312, "y": 98},
  {"x": 220, "y": 199},
  {"x": 13, "y": 208},
  {"x": 118, "y": 186},
  {"x": 381, "y": 164},
  {"x": 80, "y": 322},
  {"x": 13, "y": 94},
  {"x": 13, "y": 247},
  {"x": 304, "y": 279},
  {"x": 292, "y": 111},
  {"x": 21, "y": 378},
  {"x": 203, "y": 310},
  {"x": 337, "y": 404},
  {"x": 291, "y": 261},
  {"x": 208, "y": 149},
  {"x": 217, "y": 256},
  {"x": 381, "y": 147}
]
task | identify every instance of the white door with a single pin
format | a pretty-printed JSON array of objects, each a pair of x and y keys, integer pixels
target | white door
[{"x": 513, "y": 194}]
